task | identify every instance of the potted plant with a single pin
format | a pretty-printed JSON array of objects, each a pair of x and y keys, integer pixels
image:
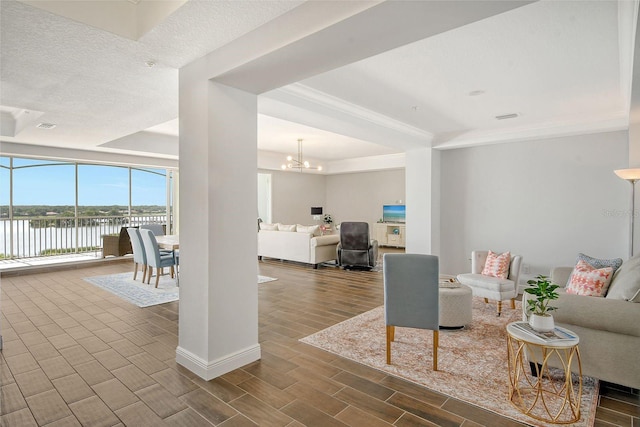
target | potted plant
[{"x": 538, "y": 308}]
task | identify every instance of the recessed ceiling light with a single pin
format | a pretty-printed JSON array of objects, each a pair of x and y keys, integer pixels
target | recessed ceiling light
[
  {"x": 150, "y": 64},
  {"x": 508, "y": 116},
  {"x": 46, "y": 125},
  {"x": 476, "y": 92},
  {"x": 415, "y": 108}
]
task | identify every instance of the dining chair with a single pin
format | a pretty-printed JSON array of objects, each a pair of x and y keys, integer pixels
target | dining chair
[
  {"x": 139, "y": 255},
  {"x": 157, "y": 229},
  {"x": 411, "y": 296},
  {"x": 155, "y": 259}
]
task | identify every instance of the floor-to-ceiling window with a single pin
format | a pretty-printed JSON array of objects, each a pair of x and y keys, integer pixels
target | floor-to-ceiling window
[{"x": 52, "y": 207}]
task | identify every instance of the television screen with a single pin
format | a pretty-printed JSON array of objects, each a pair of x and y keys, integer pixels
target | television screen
[{"x": 393, "y": 213}]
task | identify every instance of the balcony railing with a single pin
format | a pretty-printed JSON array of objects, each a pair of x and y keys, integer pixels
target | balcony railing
[{"x": 45, "y": 236}]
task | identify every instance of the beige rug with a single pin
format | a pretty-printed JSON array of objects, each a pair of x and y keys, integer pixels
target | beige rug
[{"x": 472, "y": 363}]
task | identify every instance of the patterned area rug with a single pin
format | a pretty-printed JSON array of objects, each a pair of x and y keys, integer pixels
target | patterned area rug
[
  {"x": 144, "y": 295},
  {"x": 135, "y": 291},
  {"x": 472, "y": 362}
]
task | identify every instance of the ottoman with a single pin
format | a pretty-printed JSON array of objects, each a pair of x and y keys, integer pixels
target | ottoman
[{"x": 455, "y": 306}]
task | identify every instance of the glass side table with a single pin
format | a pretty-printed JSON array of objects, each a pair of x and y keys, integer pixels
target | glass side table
[{"x": 540, "y": 381}]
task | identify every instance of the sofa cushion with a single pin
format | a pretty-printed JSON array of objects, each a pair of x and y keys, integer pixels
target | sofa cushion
[
  {"x": 311, "y": 229},
  {"x": 269, "y": 227},
  {"x": 588, "y": 280},
  {"x": 614, "y": 263},
  {"x": 625, "y": 284},
  {"x": 285, "y": 227},
  {"x": 486, "y": 282},
  {"x": 497, "y": 265},
  {"x": 602, "y": 314}
]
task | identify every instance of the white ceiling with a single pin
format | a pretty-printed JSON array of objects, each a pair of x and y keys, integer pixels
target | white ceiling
[{"x": 562, "y": 66}]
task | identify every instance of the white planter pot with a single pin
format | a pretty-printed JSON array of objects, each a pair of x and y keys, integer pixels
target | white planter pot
[{"x": 541, "y": 323}]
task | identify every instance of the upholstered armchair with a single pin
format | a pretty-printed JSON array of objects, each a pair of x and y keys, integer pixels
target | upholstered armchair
[
  {"x": 492, "y": 288},
  {"x": 356, "y": 249}
]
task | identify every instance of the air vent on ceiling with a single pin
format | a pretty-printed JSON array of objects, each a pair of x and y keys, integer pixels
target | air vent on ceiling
[
  {"x": 45, "y": 125},
  {"x": 507, "y": 116}
]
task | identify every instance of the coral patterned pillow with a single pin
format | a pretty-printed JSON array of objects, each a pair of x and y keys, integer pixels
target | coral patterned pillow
[
  {"x": 497, "y": 265},
  {"x": 588, "y": 280}
]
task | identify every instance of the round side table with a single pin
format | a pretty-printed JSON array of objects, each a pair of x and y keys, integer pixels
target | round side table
[{"x": 544, "y": 388}]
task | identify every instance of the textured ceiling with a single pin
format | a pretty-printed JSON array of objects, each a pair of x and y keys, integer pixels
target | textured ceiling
[{"x": 561, "y": 65}]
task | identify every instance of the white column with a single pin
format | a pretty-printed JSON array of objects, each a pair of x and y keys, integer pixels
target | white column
[
  {"x": 422, "y": 175},
  {"x": 218, "y": 328}
]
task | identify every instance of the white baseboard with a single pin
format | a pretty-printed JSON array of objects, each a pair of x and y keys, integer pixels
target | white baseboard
[{"x": 208, "y": 370}]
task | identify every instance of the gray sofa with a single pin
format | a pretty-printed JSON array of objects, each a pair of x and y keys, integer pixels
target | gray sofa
[{"x": 609, "y": 328}]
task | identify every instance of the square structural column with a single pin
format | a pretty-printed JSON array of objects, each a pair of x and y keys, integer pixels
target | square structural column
[
  {"x": 218, "y": 325},
  {"x": 422, "y": 176}
]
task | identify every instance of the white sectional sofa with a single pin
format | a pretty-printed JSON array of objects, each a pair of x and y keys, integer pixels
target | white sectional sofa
[{"x": 298, "y": 244}]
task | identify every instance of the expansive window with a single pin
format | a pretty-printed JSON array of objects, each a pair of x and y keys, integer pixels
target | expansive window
[{"x": 51, "y": 207}]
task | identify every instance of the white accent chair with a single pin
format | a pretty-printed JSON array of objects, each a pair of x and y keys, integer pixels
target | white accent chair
[{"x": 492, "y": 288}]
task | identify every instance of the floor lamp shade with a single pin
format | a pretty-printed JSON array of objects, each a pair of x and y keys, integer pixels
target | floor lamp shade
[{"x": 631, "y": 175}]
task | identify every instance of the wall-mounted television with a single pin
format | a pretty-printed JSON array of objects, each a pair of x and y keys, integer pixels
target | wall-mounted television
[{"x": 394, "y": 213}]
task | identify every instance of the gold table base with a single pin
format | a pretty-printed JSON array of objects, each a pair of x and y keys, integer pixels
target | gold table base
[{"x": 551, "y": 396}]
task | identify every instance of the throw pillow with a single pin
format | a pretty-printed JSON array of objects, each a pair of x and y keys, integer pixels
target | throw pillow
[
  {"x": 285, "y": 227},
  {"x": 614, "y": 263},
  {"x": 497, "y": 265},
  {"x": 625, "y": 284},
  {"x": 588, "y": 280},
  {"x": 269, "y": 227},
  {"x": 314, "y": 230}
]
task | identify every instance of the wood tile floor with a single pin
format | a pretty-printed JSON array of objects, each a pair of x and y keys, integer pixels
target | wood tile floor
[{"x": 77, "y": 355}]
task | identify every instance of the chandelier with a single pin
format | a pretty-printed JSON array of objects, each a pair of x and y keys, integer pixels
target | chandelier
[{"x": 298, "y": 163}]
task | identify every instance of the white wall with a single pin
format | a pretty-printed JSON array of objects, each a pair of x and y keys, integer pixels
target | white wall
[
  {"x": 360, "y": 196},
  {"x": 546, "y": 200},
  {"x": 293, "y": 194}
]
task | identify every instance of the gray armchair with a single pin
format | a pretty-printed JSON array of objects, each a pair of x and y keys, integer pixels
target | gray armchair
[
  {"x": 356, "y": 249},
  {"x": 411, "y": 296}
]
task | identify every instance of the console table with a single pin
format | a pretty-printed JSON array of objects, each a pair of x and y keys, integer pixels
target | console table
[{"x": 390, "y": 234}]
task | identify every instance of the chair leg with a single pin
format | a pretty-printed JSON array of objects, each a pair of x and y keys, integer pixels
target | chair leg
[
  {"x": 499, "y": 308},
  {"x": 513, "y": 303},
  {"x": 486, "y": 300},
  {"x": 157, "y": 278},
  {"x": 149, "y": 273},
  {"x": 144, "y": 272},
  {"x": 435, "y": 350},
  {"x": 390, "y": 336},
  {"x": 135, "y": 271}
]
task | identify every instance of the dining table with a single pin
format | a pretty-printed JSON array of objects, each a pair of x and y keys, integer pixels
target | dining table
[{"x": 169, "y": 241}]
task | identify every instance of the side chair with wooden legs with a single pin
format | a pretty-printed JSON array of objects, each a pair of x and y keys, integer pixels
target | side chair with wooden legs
[
  {"x": 139, "y": 255},
  {"x": 411, "y": 296},
  {"x": 155, "y": 259}
]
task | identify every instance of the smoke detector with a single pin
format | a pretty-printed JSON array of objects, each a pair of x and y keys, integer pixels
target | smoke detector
[{"x": 46, "y": 125}]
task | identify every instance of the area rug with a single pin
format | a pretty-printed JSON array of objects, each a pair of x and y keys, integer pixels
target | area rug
[
  {"x": 144, "y": 295},
  {"x": 135, "y": 291},
  {"x": 472, "y": 362}
]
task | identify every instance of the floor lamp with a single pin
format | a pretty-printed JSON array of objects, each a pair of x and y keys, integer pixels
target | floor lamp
[{"x": 631, "y": 175}]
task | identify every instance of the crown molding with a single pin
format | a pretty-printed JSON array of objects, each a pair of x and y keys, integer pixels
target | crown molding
[
  {"x": 556, "y": 129},
  {"x": 334, "y": 103}
]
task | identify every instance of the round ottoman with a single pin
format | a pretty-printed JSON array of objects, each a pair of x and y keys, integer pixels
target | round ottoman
[{"x": 455, "y": 306}]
